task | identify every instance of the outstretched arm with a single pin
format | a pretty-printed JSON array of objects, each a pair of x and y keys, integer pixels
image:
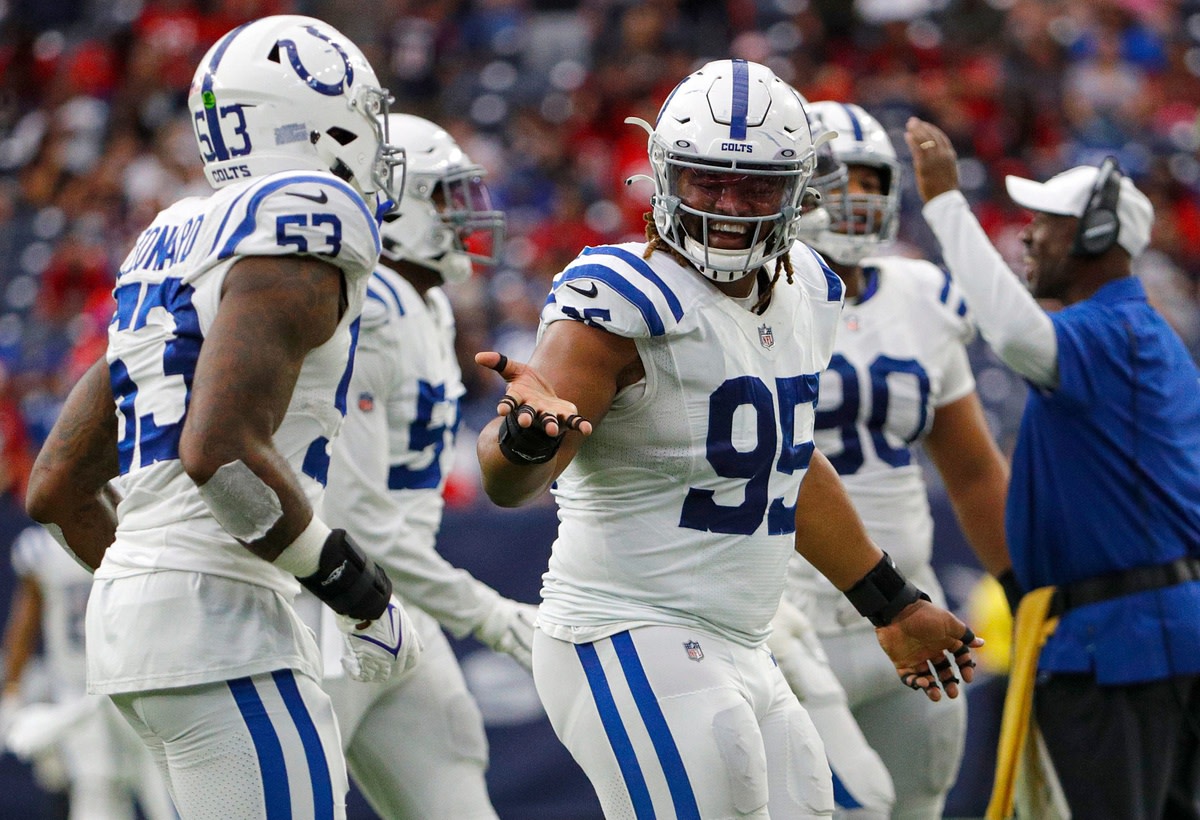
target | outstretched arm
[
  {"x": 569, "y": 382},
  {"x": 1008, "y": 316},
  {"x": 913, "y": 632},
  {"x": 68, "y": 484}
]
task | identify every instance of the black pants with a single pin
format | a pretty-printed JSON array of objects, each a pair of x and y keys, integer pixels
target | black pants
[{"x": 1123, "y": 752}]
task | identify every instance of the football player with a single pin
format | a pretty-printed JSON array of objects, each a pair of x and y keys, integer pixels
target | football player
[
  {"x": 899, "y": 377},
  {"x": 223, "y": 384},
  {"x": 687, "y": 367},
  {"x": 416, "y": 747},
  {"x": 107, "y": 765}
]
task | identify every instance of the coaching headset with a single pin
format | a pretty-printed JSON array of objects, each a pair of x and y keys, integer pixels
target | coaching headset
[{"x": 1098, "y": 224}]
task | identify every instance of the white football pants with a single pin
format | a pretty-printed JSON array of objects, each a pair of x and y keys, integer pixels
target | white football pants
[
  {"x": 417, "y": 747},
  {"x": 670, "y": 722},
  {"x": 264, "y": 747}
]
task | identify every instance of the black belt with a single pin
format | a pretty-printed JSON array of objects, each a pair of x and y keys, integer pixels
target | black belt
[{"x": 1125, "y": 582}]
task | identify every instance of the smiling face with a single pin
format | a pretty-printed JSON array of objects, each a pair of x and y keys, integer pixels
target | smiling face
[
  {"x": 734, "y": 194},
  {"x": 1049, "y": 265},
  {"x": 857, "y": 208}
]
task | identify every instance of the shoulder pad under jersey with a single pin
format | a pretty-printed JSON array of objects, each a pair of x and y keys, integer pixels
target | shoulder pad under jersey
[
  {"x": 614, "y": 288},
  {"x": 815, "y": 276},
  {"x": 934, "y": 294},
  {"x": 387, "y": 299},
  {"x": 301, "y": 212}
]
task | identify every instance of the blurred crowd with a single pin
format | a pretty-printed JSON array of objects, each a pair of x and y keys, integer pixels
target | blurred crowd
[{"x": 95, "y": 137}]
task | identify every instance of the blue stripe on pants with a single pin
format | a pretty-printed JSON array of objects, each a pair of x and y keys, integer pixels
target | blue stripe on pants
[
  {"x": 314, "y": 752},
  {"x": 635, "y": 781},
  {"x": 682, "y": 795},
  {"x": 841, "y": 795},
  {"x": 277, "y": 795}
]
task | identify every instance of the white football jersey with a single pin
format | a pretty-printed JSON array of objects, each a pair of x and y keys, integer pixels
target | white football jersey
[
  {"x": 64, "y": 585},
  {"x": 396, "y": 449},
  {"x": 680, "y": 507},
  {"x": 167, "y": 292},
  {"x": 176, "y": 600},
  {"x": 900, "y": 355}
]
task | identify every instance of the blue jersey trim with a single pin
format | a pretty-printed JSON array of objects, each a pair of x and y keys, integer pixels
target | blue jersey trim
[
  {"x": 277, "y": 795},
  {"x": 871, "y": 284},
  {"x": 944, "y": 296},
  {"x": 622, "y": 286},
  {"x": 643, "y": 267},
  {"x": 741, "y": 100},
  {"x": 376, "y": 278},
  {"x": 631, "y": 770},
  {"x": 246, "y": 227},
  {"x": 833, "y": 284},
  {"x": 682, "y": 795},
  {"x": 339, "y": 395},
  {"x": 310, "y": 738}
]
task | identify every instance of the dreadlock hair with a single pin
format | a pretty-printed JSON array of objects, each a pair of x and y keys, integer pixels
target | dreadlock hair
[{"x": 654, "y": 242}]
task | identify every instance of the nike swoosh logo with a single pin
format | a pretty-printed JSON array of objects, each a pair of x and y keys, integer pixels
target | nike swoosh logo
[
  {"x": 320, "y": 200},
  {"x": 590, "y": 292}
]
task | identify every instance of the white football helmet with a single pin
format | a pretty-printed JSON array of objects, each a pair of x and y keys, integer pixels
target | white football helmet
[
  {"x": 829, "y": 173},
  {"x": 737, "y": 118},
  {"x": 445, "y": 220},
  {"x": 858, "y": 223},
  {"x": 286, "y": 93}
]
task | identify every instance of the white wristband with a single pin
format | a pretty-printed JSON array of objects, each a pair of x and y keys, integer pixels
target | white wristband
[{"x": 302, "y": 557}]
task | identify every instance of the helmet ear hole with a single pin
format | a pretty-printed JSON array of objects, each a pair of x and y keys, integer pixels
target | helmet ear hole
[
  {"x": 442, "y": 237},
  {"x": 342, "y": 136}
]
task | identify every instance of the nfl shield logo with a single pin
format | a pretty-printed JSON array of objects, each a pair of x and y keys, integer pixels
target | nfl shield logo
[
  {"x": 693, "y": 650},
  {"x": 366, "y": 402},
  {"x": 766, "y": 336}
]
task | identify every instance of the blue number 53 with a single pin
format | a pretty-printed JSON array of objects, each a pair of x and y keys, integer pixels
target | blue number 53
[
  {"x": 700, "y": 510},
  {"x": 333, "y": 239}
]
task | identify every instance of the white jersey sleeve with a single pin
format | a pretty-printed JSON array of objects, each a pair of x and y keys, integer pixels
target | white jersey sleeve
[
  {"x": 827, "y": 292},
  {"x": 301, "y": 213},
  {"x": 391, "y": 461},
  {"x": 612, "y": 287},
  {"x": 1012, "y": 322}
]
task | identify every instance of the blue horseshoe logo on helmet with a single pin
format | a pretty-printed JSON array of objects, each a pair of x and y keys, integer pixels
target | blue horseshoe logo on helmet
[{"x": 329, "y": 90}]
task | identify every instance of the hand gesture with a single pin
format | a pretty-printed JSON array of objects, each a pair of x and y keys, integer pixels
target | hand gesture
[
  {"x": 377, "y": 650},
  {"x": 935, "y": 164},
  {"x": 528, "y": 395},
  {"x": 509, "y": 628},
  {"x": 924, "y": 636}
]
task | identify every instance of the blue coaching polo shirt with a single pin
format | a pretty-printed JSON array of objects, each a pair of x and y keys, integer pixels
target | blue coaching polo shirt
[{"x": 1106, "y": 477}]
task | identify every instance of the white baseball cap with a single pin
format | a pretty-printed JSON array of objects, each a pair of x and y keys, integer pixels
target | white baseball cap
[{"x": 1067, "y": 194}]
